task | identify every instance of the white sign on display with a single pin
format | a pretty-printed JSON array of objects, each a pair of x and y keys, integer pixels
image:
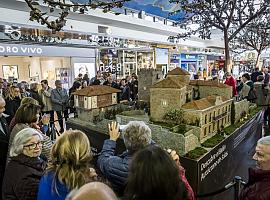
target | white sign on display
[{"x": 84, "y": 68}]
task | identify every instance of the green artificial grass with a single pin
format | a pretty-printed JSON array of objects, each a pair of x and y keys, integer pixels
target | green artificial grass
[
  {"x": 230, "y": 129},
  {"x": 165, "y": 125},
  {"x": 213, "y": 141},
  {"x": 196, "y": 153}
]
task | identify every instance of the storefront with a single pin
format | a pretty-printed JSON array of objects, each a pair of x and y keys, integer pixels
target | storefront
[
  {"x": 214, "y": 64},
  {"x": 33, "y": 63},
  {"x": 190, "y": 62},
  {"x": 122, "y": 63}
]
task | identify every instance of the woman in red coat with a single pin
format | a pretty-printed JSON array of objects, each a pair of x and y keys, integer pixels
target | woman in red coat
[{"x": 231, "y": 82}]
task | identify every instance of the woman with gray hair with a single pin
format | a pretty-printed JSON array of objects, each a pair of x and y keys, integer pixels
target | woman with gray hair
[
  {"x": 25, "y": 168},
  {"x": 136, "y": 136}
]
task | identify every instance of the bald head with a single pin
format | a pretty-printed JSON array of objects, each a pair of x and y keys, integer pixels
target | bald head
[{"x": 94, "y": 191}]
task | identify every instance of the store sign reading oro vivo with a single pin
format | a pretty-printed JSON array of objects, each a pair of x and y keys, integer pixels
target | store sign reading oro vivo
[
  {"x": 21, "y": 49},
  {"x": 37, "y": 50}
]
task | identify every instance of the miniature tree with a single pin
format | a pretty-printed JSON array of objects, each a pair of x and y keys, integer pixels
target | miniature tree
[
  {"x": 233, "y": 113},
  {"x": 175, "y": 116},
  {"x": 228, "y": 16},
  {"x": 37, "y": 14}
]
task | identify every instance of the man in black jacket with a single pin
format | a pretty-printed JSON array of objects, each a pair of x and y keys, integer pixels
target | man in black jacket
[
  {"x": 4, "y": 137},
  {"x": 255, "y": 74}
]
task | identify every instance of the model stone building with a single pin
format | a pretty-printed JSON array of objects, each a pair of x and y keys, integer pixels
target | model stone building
[
  {"x": 211, "y": 87},
  {"x": 92, "y": 101},
  {"x": 147, "y": 78},
  {"x": 210, "y": 114},
  {"x": 176, "y": 91}
]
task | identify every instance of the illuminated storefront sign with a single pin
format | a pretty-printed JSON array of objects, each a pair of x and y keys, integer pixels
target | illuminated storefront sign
[{"x": 37, "y": 50}]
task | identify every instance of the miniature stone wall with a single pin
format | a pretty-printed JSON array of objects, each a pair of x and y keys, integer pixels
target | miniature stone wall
[
  {"x": 241, "y": 107},
  {"x": 147, "y": 78},
  {"x": 182, "y": 143},
  {"x": 206, "y": 91}
]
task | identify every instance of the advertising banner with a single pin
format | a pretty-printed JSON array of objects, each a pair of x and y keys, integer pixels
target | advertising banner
[{"x": 230, "y": 158}]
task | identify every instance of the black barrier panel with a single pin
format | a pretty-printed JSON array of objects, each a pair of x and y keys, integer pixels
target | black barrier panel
[
  {"x": 230, "y": 158},
  {"x": 96, "y": 138}
]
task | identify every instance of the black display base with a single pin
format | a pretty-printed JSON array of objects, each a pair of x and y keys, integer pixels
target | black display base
[
  {"x": 232, "y": 157},
  {"x": 214, "y": 170}
]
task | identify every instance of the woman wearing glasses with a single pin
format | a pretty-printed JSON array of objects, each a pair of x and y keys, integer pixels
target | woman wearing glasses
[
  {"x": 25, "y": 168},
  {"x": 27, "y": 116}
]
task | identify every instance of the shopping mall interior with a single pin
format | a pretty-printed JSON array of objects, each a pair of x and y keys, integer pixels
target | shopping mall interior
[{"x": 134, "y": 100}]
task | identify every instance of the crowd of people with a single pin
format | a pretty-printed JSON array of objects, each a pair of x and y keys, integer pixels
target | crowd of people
[
  {"x": 33, "y": 166},
  {"x": 127, "y": 85},
  {"x": 254, "y": 87}
]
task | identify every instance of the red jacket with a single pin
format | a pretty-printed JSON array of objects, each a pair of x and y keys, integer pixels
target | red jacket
[
  {"x": 185, "y": 181},
  {"x": 258, "y": 186},
  {"x": 231, "y": 82}
]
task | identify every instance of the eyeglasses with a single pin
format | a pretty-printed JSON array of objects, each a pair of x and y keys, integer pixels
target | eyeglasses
[{"x": 34, "y": 145}]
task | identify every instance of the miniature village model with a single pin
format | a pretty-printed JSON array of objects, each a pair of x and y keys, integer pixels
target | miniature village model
[
  {"x": 205, "y": 107},
  {"x": 92, "y": 101}
]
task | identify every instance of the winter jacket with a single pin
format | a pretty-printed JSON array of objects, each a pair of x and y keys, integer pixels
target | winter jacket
[
  {"x": 46, "y": 188},
  {"x": 59, "y": 99},
  {"x": 254, "y": 75},
  {"x": 36, "y": 96},
  {"x": 258, "y": 186},
  {"x": 12, "y": 106},
  {"x": 231, "y": 82},
  {"x": 22, "y": 177},
  {"x": 4, "y": 137},
  {"x": 190, "y": 192},
  {"x": 114, "y": 168},
  {"x": 260, "y": 94},
  {"x": 46, "y": 99}
]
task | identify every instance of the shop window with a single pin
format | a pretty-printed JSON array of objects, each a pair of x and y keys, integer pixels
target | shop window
[{"x": 205, "y": 119}]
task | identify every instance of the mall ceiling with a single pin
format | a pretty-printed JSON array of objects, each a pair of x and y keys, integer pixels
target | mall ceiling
[{"x": 160, "y": 8}]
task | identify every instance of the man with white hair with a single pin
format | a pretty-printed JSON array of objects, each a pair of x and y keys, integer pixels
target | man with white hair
[
  {"x": 258, "y": 186},
  {"x": 136, "y": 136}
]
